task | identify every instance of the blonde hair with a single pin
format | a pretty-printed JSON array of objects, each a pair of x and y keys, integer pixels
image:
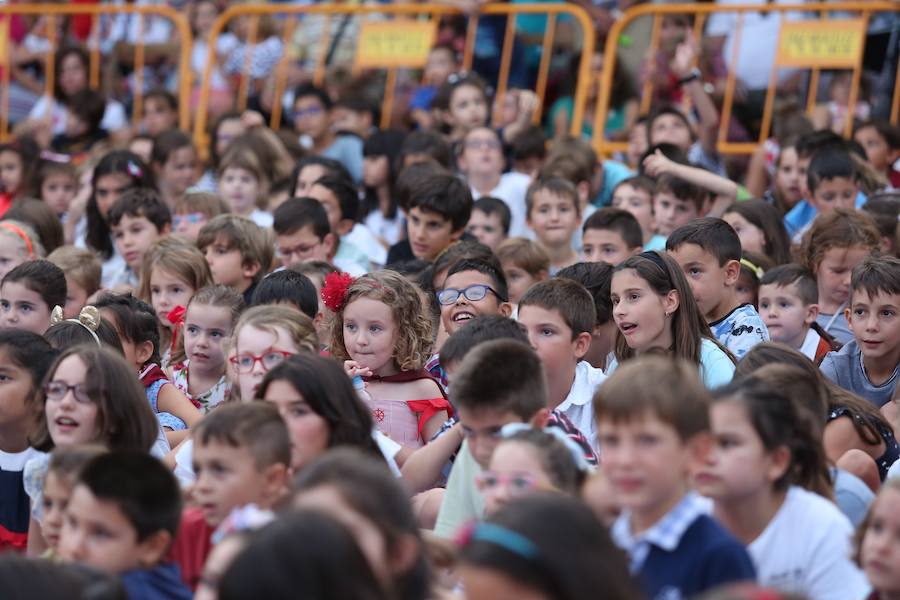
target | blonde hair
[
  {"x": 179, "y": 258},
  {"x": 840, "y": 228},
  {"x": 81, "y": 265},
  {"x": 300, "y": 328},
  {"x": 525, "y": 254},
  {"x": 24, "y": 235},
  {"x": 209, "y": 204},
  {"x": 413, "y": 342}
]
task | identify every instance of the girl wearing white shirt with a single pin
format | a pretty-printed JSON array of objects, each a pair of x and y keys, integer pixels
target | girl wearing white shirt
[{"x": 762, "y": 463}]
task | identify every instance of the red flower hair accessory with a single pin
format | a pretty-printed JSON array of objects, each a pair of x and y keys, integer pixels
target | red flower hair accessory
[{"x": 334, "y": 292}]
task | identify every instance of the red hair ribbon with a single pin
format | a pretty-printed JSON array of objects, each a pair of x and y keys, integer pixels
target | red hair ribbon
[
  {"x": 19, "y": 232},
  {"x": 176, "y": 318},
  {"x": 334, "y": 292}
]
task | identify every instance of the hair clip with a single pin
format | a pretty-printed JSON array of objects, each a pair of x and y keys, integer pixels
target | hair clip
[
  {"x": 88, "y": 317},
  {"x": 753, "y": 268},
  {"x": 334, "y": 291},
  {"x": 133, "y": 169}
]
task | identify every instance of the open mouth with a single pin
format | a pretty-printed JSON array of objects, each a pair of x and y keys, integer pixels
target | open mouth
[
  {"x": 66, "y": 422},
  {"x": 627, "y": 328},
  {"x": 462, "y": 317}
]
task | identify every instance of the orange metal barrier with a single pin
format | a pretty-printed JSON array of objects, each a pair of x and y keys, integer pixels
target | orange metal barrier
[
  {"x": 430, "y": 11},
  {"x": 863, "y": 8},
  {"x": 57, "y": 11}
]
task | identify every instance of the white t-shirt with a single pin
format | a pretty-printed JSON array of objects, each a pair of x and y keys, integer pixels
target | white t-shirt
[
  {"x": 261, "y": 218},
  {"x": 361, "y": 237},
  {"x": 511, "y": 190},
  {"x": 806, "y": 549},
  {"x": 390, "y": 230},
  {"x": 578, "y": 405},
  {"x": 114, "y": 117},
  {"x": 224, "y": 45}
]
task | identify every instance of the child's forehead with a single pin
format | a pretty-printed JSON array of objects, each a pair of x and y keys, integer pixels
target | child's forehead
[
  {"x": 548, "y": 196},
  {"x": 536, "y": 314},
  {"x": 603, "y": 235},
  {"x": 428, "y": 215},
  {"x": 692, "y": 252},
  {"x": 468, "y": 277},
  {"x": 636, "y": 420},
  {"x": 780, "y": 289},
  {"x": 861, "y": 295},
  {"x": 626, "y": 190},
  {"x": 487, "y": 215},
  {"x": 235, "y": 170}
]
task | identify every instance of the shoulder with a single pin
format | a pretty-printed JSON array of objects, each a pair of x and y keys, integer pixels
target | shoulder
[
  {"x": 716, "y": 366},
  {"x": 821, "y": 515},
  {"x": 716, "y": 548}
]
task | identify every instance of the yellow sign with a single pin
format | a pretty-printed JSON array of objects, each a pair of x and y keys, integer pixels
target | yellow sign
[
  {"x": 398, "y": 43},
  {"x": 829, "y": 44}
]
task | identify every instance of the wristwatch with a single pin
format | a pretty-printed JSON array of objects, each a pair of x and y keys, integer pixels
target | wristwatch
[{"x": 694, "y": 75}]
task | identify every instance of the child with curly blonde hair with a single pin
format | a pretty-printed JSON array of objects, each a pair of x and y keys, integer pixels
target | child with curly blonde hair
[{"x": 382, "y": 330}]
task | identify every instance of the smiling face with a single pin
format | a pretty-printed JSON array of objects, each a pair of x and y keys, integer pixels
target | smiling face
[
  {"x": 554, "y": 218},
  {"x": 69, "y": 421},
  {"x": 22, "y": 308},
  {"x": 310, "y": 433},
  {"x": 640, "y": 313},
  {"x": 205, "y": 330},
  {"x": 880, "y": 549},
  {"x": 875, "y": 323},
  {"x": 369, "y": 334},
  {"x": 455, "y": 316}
]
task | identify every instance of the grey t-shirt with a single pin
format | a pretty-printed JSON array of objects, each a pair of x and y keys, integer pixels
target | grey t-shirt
[{"x": 845, "y": 368}]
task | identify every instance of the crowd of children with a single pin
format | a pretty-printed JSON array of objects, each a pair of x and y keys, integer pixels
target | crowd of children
[{"x": 462, "y": 361}]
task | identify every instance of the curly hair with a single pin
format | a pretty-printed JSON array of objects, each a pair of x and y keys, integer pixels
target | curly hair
[{"x": 414, "y": 340}]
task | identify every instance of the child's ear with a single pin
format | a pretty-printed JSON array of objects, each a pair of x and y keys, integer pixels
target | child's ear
[
  {"x": 455, "y": 235},
  {"x": 166, "y": 229},
  {"x": 780, "y": 463},
  {"x": 505, "y": 309},
  {"x": 636, "y": 250},
  {"x": 277, "y": 477},
  {"x": 330, "y": 242},
  {"x": 539, "y": 419},
  {"x": 581, "y": 344},
  {"x": 143, "y": 351},
  {"x": 405, "y": 553},
  {"x": 542, "y": 275},
  {"x": 848, "y": 314},
  {"x": 732, "y": 272},
  {"x": 671, "y": 302},
  {"x": 152, "y": 550},
  {"x": 251, "y": 268},
  {"x": 812, "y": 313},
  {"x": 344, "y": 227},
  {"x": 699, "y": 447}
]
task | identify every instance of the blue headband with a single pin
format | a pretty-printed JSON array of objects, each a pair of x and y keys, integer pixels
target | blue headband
[{"x": 507, "y": 539}]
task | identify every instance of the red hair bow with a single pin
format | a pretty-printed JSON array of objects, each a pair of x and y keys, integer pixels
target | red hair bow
[
  {"x": 176, "y": 318},
  {"x": 334, "y": 292}
]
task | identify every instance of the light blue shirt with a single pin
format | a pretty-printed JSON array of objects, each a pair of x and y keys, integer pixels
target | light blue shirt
[
  {"x": 803, "y": 214},
  {"x": 716, "y": 368}
]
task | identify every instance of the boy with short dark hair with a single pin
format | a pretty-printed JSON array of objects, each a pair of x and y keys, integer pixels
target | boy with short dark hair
[
  {"x": 789, "y": 305},
  {"x": 611, "y": 235},
  {"x": 553, "y": 212},
  {"x": 709, "y": 252},
  {"x": 832, "y": 180},
  {"x": 138, "y": 218},
  {"x": 302, "y": 231},
  {"x": 437, "y": 205},
  {"x": 85, "y": 110},
  {"x": 490, "y": 221},
  {"x": 312, "y": 122},
  {"x": 241, "y": 456},
  {"x": 473, "y": 287},
  {"x": 559, "y": 317},
  {"x": 121, "y": 518},
  {"x": 288, "y": 288},
  {"x": 677, "y": 202},
  {"x": 596, "y": 279},
  {"x": 239, "y": 252},
  {"x": 675, "y": 549},
  {"x": 524, "y": 263},
  {"x": 869, "y": 365},
  {"x": 497, "y": 383},
  {"x": 160, "y": 112}
]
